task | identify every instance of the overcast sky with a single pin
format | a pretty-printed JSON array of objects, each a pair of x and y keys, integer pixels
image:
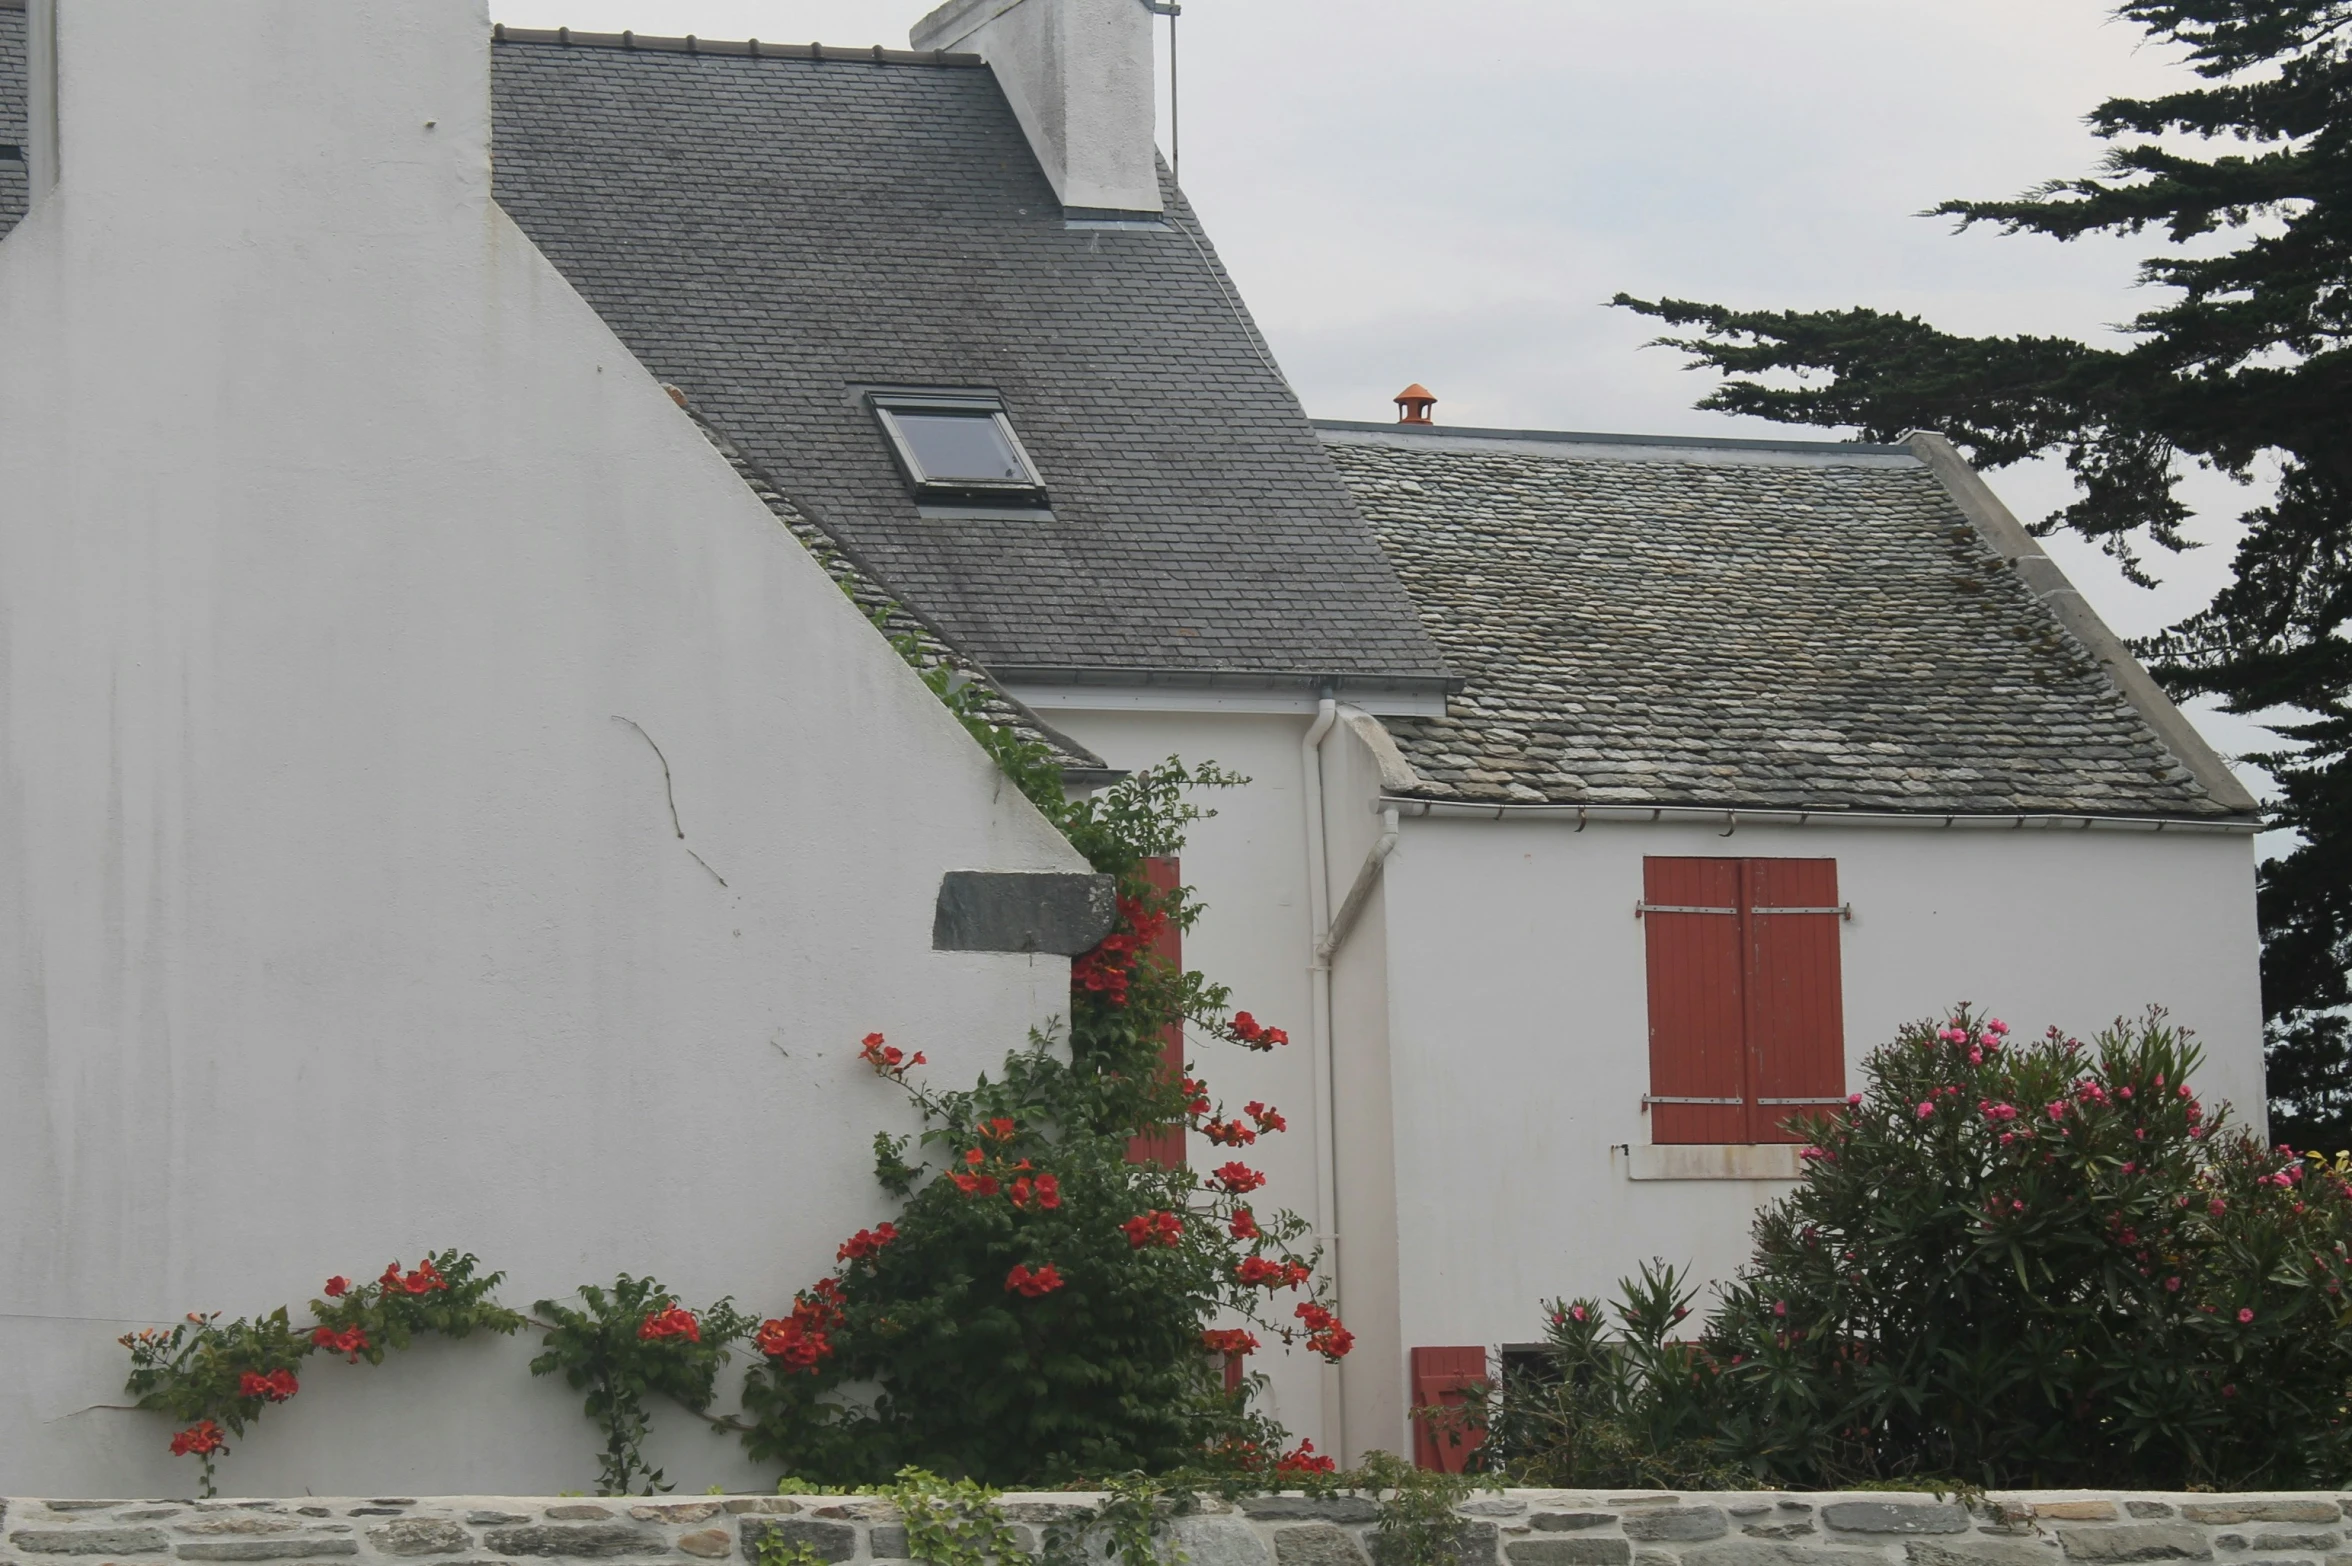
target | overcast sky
[{"x": 1448, "y": 193}]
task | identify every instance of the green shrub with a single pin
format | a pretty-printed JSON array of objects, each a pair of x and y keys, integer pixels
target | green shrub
[{"x": 2008, "y": 1265}]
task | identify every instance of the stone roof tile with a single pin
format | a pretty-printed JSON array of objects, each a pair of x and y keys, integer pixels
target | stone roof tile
[{"x": 1815, "y": 628}]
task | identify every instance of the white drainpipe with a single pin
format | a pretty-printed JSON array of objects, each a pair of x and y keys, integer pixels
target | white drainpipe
[{"x": 1319, "y": 1041}]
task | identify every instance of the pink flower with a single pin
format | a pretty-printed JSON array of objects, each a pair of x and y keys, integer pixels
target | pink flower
[
  {"x": 1853, "y": 1101},
  {"x": 2245, "y": 1314},
  {"x": 1996, "y": 1026},
  {"x": 1926, "y": 1109},
  {"x": 1780, "y": 1307},
  {"x": 2217, "y": 1207},
  {"x": 2172, "y": 1285}
]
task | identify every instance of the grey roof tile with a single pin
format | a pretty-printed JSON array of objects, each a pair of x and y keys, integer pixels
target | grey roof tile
[
  {"x": 772, "y": 234},
  {"x": 13, "y": 186},
  {"x": 1777, "y": 625},
  {"x": 916, "y": 639}
]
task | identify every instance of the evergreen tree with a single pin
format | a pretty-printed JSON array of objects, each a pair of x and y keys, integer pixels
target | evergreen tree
[{"x": 2248, "y": 360}]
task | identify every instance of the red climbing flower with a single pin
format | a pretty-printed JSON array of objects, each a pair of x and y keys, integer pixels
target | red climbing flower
[
  {"x": 1264, "y": 1272},
  {"x": 887, "y": 1059},
  {"x": 1049, "y": 1192},
  {"x": 1229, "y": 1133},
  {"x": 1237, "y": 1178},
  {"x": 1325, "y": 1333},
  {"x": 338, "y": 1286},
  {"x": 1244, "y": 1225},
  {"x": 1229, "y": 1340},
  {"x": 671, "y": 1322},
  {"x": 351, "y": 1340},
  {"x": 1269, "y": 1118},
  {"x": 1029, "y": 1285},
  {"x": 1163, "y": 1229},
  {"x": 865, "y": 1243},
  {"x": 202, "y": 1438},
  {"x": 275, "y": 1387},
  {"x": 1304, "y": 1460}
]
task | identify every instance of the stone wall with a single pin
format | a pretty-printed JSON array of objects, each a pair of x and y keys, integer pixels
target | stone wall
[{"x": 1510, "y": 1528}]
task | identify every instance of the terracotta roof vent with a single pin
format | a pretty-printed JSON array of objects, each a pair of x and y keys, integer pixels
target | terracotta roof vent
[{"x": 1414, "y": 403}]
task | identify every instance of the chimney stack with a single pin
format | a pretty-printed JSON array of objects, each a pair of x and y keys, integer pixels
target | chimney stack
[
  {"x": 1078, "y": 74},
  {"x": 1414, "y": 403}
]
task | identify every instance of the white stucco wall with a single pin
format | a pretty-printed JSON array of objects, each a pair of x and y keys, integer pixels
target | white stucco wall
[
  {"x": 1249, "y": 866},
  {"x": 1517, "y": 1030},
  {"x": 340, "y": 916}
]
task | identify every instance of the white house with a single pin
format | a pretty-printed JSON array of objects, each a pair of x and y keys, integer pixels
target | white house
[
  {"x": 439, "y": 805},
  {"x": 1535, "y": 723}
]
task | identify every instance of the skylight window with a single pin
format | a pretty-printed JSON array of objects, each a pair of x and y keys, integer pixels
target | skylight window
[{"x": 959, "y": 448}]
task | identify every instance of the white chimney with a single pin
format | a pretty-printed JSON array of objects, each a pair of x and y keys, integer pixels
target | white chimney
[{"x": 1078, "y": 74}]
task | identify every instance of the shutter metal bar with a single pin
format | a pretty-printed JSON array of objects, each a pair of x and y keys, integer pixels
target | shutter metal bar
[
  {"x": 1658, "y": 1098},
  {"x": 1650, "y": 908},
  {"x": 1843, "y": 910},
  {"x": 1839, "y": 1100}
]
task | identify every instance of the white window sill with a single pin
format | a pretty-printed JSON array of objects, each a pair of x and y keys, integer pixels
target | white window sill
[{"x": 1707, "y": 1161}]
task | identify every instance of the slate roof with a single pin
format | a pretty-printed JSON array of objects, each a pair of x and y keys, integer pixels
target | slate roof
[
  {"x": 920, "y": 642},
  {"x": 13, "y": 185},
  {"x": 776, "y": 233},
  {"x": 1741, "y": 624}
]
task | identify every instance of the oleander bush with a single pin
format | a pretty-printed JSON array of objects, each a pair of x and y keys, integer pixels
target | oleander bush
[{"x": 2008, "y": 1264}]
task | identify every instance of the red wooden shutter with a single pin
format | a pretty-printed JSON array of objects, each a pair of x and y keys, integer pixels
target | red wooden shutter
[
  {"x": 1698, "y": 1086},
  {"x": 1442, "y": 1379},
  {"x": 1165, "y": 1146},
  {"x": 1796, "y": 1014}
]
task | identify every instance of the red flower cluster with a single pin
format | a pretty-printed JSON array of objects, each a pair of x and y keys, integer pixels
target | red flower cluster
[
  {"x": 1196, "y": 1096},
  {"x": 202, "y": 1438},
  {"x": 888, "y": 1060},
  {"x": 1325, "y": 1335},
  {"x": 865, "y": 1243},
  {"x": 1244, "y": 1225},
  {"x": 1029, "y": 1285},
  {"x": 275, "y": 1387},
  {"x": 338, "y": 1286},
  {"x": 1240, "y": 1179},
  {"x": 1305, "y": 1461},
  {"x": 1000, "y": 1129},
  {"x": 351, "y": 1340},
  {"x": 1106, "y": 970},
  {"x": 971, "y": 1183},
  {"x": 1269, "y": 1118},
  {"x": 803, "y": 1338},
  {"x": 673, "y": 1321},
  {"x": 1046, "y": 1188},
  {"x": 1154, "y": 1229},
  {"x": 424, "y": 1280},
  {"x": 1248, "y": 1030},
  {"x": 1229, "y": 1340},
  {"x": 1229, "y": 1133},
  {"x": 1264, "y": 1272}
]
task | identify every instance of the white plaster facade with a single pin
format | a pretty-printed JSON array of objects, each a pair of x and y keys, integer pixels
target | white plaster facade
[
  {"x": 1489, "y": 1015},
  {"x": 351, "y": 572}
]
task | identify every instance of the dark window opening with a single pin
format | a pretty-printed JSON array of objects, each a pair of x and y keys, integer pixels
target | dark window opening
[{"x": 959, "y": 448}]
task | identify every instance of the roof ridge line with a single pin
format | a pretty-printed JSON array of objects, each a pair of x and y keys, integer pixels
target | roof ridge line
[
  {"x": 753, "y": 48},
  {"x": 1603, "y": 438}
]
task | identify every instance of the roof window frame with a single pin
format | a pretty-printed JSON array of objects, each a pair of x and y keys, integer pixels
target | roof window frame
[{"x": 1027, "y": 493}]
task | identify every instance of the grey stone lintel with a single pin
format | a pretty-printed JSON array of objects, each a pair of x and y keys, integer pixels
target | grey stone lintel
[{"x": 1002, "y": 911}]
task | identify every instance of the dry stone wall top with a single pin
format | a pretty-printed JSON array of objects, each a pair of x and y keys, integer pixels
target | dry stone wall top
[{"x": 1499, "y": 1528}]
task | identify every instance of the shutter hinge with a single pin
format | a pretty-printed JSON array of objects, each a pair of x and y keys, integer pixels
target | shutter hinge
[
  {"x": 1662, "y": 1098},
  {"x": 1844, "y": 911},
  {"x": 1640, "y": 909}
]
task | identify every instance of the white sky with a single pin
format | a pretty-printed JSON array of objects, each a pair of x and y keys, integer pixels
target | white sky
[{"x": 1448, "y": 193}]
